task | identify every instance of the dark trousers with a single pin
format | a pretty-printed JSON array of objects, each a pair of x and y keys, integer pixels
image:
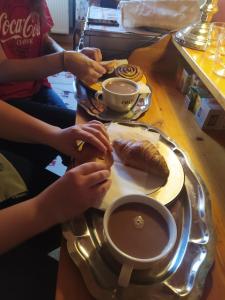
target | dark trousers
[{"x": 27, "y": 272}]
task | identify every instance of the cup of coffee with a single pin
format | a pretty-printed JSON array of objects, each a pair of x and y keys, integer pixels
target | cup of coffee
[
  {"x": 119, "y": 94},
  {"x": 139, "y": 233}
]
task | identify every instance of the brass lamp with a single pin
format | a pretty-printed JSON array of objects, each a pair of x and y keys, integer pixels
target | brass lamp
[{"x": 195, "y": 36}]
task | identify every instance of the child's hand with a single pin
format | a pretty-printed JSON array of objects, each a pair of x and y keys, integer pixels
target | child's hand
[
  {"x": 79, "y": 189},
  {"x": 93, "y": 132},
  {"x": 83, "y": 67},
  {"x": 93, "y": 53}
]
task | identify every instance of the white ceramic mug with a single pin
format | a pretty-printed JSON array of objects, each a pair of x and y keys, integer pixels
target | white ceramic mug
[
  {"x": 129, "y": 263},
  {"x": 118, "y": 99}
]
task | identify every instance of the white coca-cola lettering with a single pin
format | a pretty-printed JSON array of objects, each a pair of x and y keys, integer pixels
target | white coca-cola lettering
[
  {"x": 25, "y": 28},
  {"x": 31, "y": 29}
]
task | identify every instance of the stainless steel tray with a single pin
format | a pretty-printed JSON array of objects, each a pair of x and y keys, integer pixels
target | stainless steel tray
[
  {"x": 182, "y": 275},
  {"x": 96, "y": 109}
]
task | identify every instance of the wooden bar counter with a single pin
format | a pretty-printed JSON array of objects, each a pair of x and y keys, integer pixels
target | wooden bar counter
[{"x": 205, "y": 150}]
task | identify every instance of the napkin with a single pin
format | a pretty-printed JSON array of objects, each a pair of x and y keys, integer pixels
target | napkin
[
  {"x": 118, "y": 131},
  {"x": 143, "y": 88}
]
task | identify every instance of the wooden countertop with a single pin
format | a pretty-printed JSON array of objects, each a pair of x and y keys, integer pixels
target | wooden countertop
[
  {"x": 203, "y": 67},
  {"x": 205, "y": 150}
]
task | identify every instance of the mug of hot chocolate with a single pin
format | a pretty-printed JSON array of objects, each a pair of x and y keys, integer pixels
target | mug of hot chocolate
[
  {"x": 139, "y": 233},
  {"x": 119, "y": 94}
]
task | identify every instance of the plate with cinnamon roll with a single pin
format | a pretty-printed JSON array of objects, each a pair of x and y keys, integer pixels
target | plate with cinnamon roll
[
  {"x": 115, "y": 69},
  {"x": 119, "y": 68}
]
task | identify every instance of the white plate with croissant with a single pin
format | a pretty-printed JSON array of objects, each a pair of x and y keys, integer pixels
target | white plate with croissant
[{"x": 140, "y": 163}]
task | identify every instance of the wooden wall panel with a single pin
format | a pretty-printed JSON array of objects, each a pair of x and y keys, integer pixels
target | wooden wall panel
[{"x": 220, "y": 16}]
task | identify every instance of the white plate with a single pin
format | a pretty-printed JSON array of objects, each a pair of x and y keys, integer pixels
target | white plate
[
  {"x": 126, "y": 180},
  {"x": 168, "y": 192}
]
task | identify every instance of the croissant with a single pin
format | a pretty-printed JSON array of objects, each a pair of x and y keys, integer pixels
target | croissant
[
  {"x": 88, "y": 153},
  {"x": 142, "y": 155}
]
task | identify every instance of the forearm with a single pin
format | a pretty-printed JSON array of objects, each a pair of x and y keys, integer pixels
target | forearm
[
  {"x": 22, "y": 221},
  {"x": 31, "y": 69},
  {"x": 18, "y": 126}
]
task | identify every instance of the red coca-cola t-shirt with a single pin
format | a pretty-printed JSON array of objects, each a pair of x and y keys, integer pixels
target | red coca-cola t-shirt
[{"x": 21, "y": 37}]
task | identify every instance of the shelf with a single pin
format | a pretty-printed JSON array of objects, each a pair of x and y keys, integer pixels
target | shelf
[{"x": 202, "y": 66}]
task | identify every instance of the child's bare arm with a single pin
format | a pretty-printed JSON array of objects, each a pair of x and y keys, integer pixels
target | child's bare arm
[
  {"x": 79, "y": 189},
  {"x": 29, "y": 69},
  {"x": 41, "y": 67}
]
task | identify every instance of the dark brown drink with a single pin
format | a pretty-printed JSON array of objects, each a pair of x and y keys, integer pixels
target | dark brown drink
[
  {"x": 121, "y": 87},
  {"x": 138, "y": 230}
]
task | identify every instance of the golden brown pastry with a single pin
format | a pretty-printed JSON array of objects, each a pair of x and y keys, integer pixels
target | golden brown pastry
[
  {"x": 129, "y": 71},
  {"x": 142, "y": 155},
  {"x": 109, "y": 65},
  {"x": 87, "y": 153}
]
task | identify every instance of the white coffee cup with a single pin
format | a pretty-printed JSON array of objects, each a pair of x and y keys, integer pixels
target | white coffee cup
[
  {"x": 124, "y": 229},
  {"x": 119, "y": 94}
]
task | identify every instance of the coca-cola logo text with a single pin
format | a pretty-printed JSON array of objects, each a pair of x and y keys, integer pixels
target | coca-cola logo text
[{"x": 23, "y": 30}]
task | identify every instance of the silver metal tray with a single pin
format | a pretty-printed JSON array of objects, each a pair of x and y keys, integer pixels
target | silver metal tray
[
  {"x": 96, "y": 109},
  {"x": 181, "y": 275}
]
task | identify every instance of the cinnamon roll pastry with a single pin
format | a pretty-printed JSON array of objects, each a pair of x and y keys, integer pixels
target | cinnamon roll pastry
[
  {"x": 142, "y": 155},
  {"x": 129, "y": 71}
]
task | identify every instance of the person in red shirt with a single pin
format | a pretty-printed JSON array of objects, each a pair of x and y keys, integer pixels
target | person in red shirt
[
  {"x": 28, "y": 55},
  {"x": 25, "y": 48}
]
